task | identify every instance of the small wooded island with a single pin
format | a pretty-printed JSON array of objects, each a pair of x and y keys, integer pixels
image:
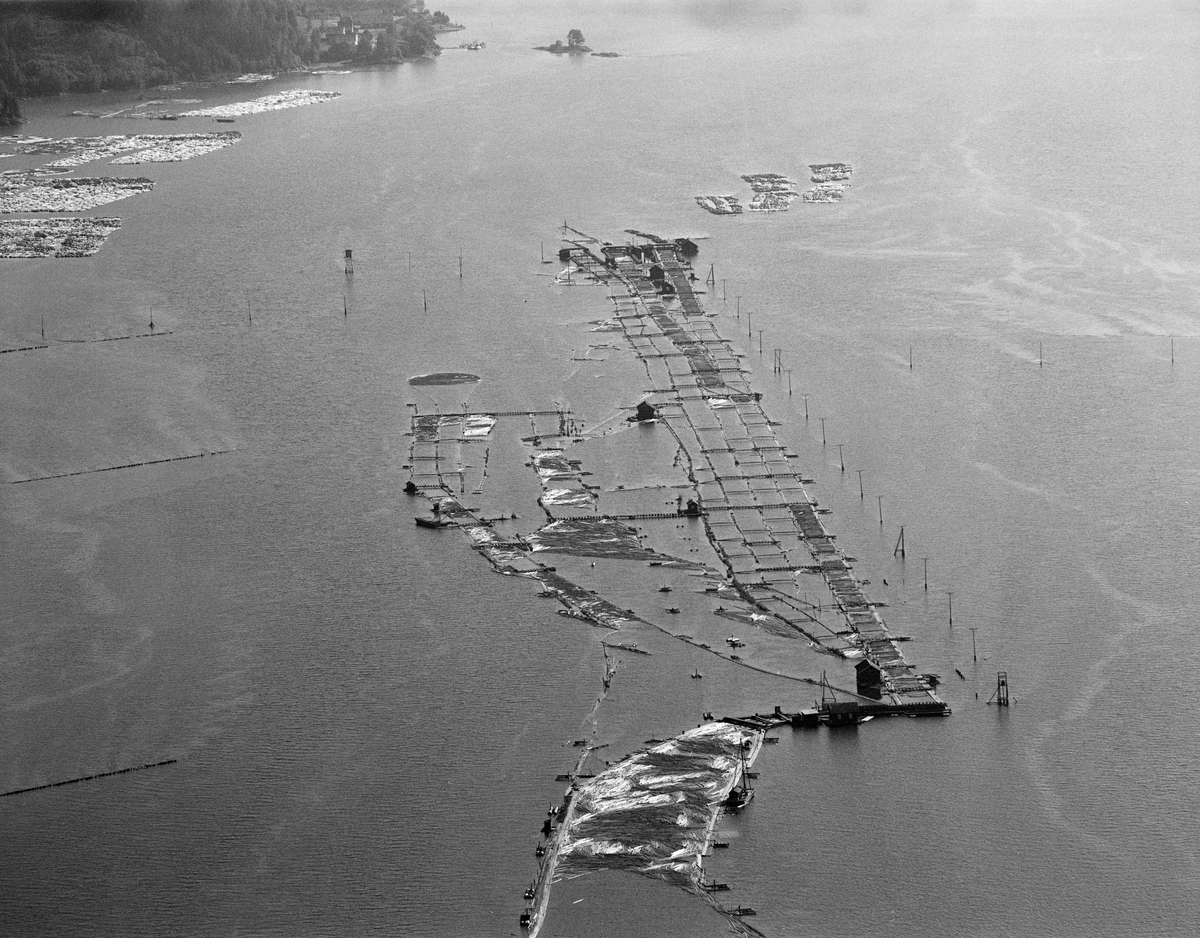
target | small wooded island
[{"x": 574, "y": 45}]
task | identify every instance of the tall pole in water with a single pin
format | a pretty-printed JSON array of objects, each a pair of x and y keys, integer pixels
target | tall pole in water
[
  {"x": 739, "y": 307},
  {"x": 249, "y": 315},
  {"x": 822, "y": 419},
  {"x": 806, "y": 408},
  {"x": 973, "y": 628},
  {"x": 951, "y": 595},
  {"x": 424, "y": 301},
  {"x": 910, "y": 358},
  {"x": 860, "y": 488},
  {"x": 925, "y": 561},
  {"x": 840, "y": 458},
  {"x": 789, "y": 371},
  {"x": 880, "y": 497},
  {"x": 460, "y": 263},
  {"x": 760, "y": 332}
]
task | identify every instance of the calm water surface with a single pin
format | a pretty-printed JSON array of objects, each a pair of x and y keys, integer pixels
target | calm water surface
[{"x": 368, "y": 722}]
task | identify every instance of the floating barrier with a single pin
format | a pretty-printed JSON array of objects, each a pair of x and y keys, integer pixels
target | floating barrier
[
  {"x": 88, "y": 778},
  {"x": 24, "y": 348},
  {"x": 131, "y": 465}
]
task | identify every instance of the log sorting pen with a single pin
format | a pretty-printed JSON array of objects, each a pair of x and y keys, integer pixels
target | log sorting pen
[
  {"x": 760, "y": 520},
  {"x": 759, "y": 517}
]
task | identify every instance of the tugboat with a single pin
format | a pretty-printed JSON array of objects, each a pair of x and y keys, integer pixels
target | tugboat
[{"x": 437, "y": 521}]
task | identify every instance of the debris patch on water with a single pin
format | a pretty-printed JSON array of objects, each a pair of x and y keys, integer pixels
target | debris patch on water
[
  {"x": 772, "y": 201},
  {"x": 774, "y": 192},
  {"x": 591, "y": 537},
  {"x": 158, "y": 148},
  {"x": 830, "y": 172},
  {"x": 826, "y": 192},
  {"x": 179, "y": 147},
  {"x": 767, "y": 182},
  {"x": 653, "y": 813},
  {"x": 270, "y": 102},
  {"x": 55, "y": 237},
  {"x": 719, "y": 204},
  {"x": 562, "y": 482},
  {"x": 67, "y": 195}
]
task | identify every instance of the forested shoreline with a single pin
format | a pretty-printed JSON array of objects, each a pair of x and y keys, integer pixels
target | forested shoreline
[{"x": 57, "y": 46}]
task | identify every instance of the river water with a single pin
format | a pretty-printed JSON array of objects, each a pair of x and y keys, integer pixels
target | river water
[{"x": 368, "y": 721}]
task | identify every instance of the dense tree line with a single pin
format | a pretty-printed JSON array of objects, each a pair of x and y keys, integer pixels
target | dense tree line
[
  {"x": 54, "y": 46},
  {"x": 10, "y": 110}
]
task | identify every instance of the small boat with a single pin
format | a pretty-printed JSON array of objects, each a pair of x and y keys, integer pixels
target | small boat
[
  {"x": 696, "y": 673},
  {"x": 664, "y": 589},
  {"x": 674, "y": 610},
  {"x": 720, "y": 844},
  {"x": 424, "y": 522},
  {"x": 526, "y": 918},
  {"x": 225, "y": 120},
  {"x": 530, "y": 893},
  {"x": 540, "y": 851},
  {"x": 742, "y": 910}
]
